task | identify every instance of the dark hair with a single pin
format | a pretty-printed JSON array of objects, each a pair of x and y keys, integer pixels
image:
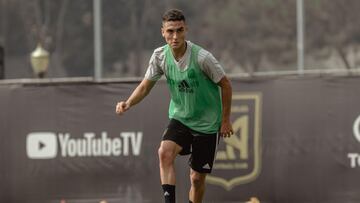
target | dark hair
[{"x": 173, "y": 15}]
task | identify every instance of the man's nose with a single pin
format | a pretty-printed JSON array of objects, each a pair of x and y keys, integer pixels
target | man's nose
[{"x": 175, "y": 36}]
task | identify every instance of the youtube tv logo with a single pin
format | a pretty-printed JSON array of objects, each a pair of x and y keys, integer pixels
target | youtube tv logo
[
  {"x": 41, "y": 145},
  {"x": 49, "y": 145}
]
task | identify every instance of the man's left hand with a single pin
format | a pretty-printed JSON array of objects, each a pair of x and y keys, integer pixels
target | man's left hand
[{"x": 226, "y": 129}]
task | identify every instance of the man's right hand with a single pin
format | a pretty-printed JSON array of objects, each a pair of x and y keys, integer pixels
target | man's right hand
[{"x": 121, "y": 107}]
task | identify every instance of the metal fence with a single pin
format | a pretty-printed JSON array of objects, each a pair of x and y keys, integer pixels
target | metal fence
[{"x": 114, "y": 39}]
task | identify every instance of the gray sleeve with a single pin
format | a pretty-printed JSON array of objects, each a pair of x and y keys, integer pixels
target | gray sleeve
[
  {"x": 155, "y": 70},
  {"x": 210, "y": 66}
]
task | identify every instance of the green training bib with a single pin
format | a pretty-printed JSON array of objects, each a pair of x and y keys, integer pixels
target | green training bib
[{"x": 195, "y": 99}]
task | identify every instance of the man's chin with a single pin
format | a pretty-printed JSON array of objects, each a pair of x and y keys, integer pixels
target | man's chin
[{"x": 175, "y": 46}]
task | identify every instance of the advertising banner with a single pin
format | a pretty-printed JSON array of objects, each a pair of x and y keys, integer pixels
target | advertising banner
[{"x": 296, "y": 140}]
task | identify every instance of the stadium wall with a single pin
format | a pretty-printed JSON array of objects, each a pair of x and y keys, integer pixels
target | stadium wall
[{"x": 296, "y": 140}]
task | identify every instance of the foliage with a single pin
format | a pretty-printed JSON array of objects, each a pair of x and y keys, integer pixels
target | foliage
[{"x": 246, "y": 36}]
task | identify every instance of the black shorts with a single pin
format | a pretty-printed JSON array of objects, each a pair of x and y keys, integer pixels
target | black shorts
[{"x": 202, "y": 147}]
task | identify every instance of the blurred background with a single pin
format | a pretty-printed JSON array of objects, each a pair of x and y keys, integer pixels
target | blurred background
[
  {"x": 247, "y": 37},
  {"x": 294, "y": 67}
]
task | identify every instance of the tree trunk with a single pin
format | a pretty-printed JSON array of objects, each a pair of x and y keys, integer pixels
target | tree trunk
[{"x": 342, "y": 55}]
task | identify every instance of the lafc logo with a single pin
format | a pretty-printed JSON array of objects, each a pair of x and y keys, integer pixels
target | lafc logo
[{"x": 238, "y": 161}]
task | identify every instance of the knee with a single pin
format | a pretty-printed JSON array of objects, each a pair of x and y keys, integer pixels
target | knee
[
  {"x": 197, "y": 179},
  {"x": 165, "y": 156}
]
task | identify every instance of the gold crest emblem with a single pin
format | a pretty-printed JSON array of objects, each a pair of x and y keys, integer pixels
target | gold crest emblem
[{"x": 239, "y": 160}]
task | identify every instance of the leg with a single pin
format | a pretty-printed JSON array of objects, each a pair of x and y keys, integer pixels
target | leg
[
  {"x": 197, "y": 189},
  {"x": 201, "y": 163},
  {"x": 167, "y": 153},
  {"x": 176, "y": 140}
]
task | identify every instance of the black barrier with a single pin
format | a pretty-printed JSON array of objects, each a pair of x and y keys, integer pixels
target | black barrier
[{"x": 296, "y": 141}]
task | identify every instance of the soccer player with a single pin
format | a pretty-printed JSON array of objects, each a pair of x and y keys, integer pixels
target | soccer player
[{"x": 199, "y": 109}]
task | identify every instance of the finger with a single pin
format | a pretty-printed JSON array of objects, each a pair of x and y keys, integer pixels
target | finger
[
  {"x": 119, "y": 110},
  {"x": 124, "y": 104},
  {"x": 224, "y": 134},
  {"x": 227, "y": 134}
]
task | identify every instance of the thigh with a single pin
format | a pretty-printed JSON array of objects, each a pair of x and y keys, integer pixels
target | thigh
[
  {"x": 180, "y": 134},
  {"x": 203, "y": 153}
]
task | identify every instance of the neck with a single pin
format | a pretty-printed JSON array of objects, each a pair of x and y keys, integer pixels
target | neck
[{"x": 178, "y": 53}]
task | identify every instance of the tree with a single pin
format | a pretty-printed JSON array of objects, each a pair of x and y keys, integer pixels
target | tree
[
  {"x": 253, "y": 31},
  {"x": 331, "y": 26}
]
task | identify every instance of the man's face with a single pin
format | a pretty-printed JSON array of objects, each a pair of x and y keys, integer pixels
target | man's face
[{"x": 174, "y": 33}]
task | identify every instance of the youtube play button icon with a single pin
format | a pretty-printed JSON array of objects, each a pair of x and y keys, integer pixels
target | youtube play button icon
[{"x": 41, "y": 145}]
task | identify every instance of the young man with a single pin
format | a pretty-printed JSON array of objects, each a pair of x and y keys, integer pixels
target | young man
[{"x": 199, "y": 107}]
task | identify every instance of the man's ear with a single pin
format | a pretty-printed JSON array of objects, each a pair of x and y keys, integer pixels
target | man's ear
[{"x": 162, "y": 31}]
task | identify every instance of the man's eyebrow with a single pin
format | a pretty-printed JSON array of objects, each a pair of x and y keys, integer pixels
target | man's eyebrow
[
  {"x": 175, "y": 29},
  {"x": 178, "y": 29}
]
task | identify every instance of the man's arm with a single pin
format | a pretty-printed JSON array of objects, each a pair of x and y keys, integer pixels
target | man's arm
[
  {"x": 138, "y": 94},
  {"x": 226, "y": 97}
]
